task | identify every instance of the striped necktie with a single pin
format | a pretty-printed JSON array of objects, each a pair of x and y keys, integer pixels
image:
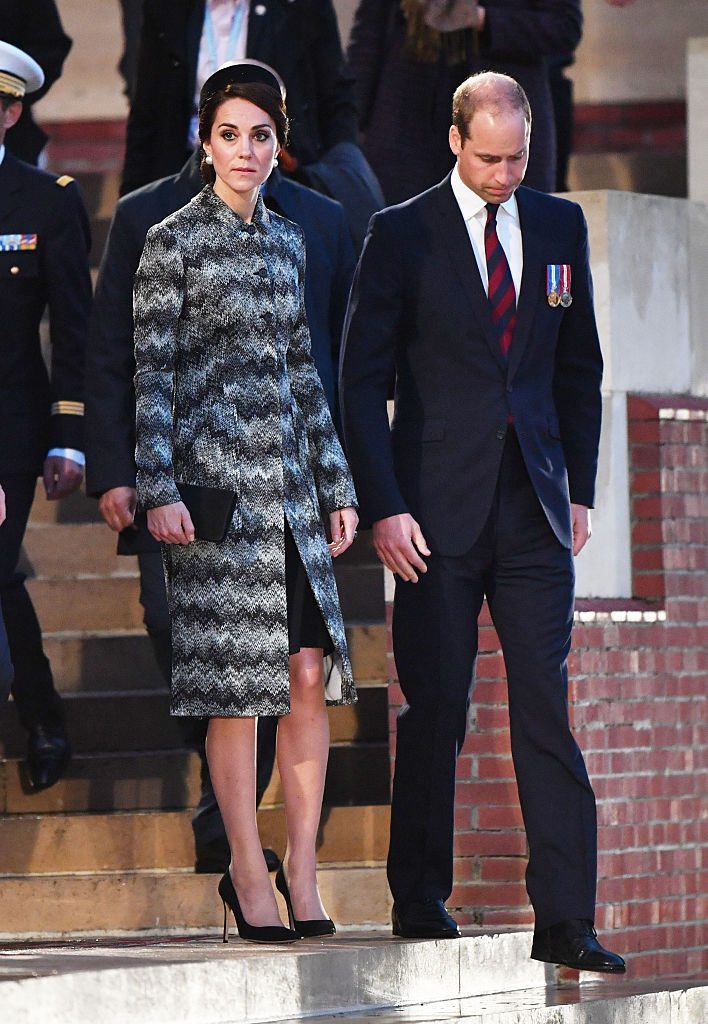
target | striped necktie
[{"x": 502, "y": 295}]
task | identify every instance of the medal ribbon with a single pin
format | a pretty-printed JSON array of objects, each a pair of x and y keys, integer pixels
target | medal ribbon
[
  {"x": 565, "y": 279},
  {"x": 552, "y": 278}
]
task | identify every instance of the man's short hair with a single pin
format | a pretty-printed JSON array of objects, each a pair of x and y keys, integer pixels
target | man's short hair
[{"x": 488, "y": 90}]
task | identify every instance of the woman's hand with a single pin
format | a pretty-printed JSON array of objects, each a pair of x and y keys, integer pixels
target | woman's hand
[
  {"x": 171, "y": 524},
  {"x": 342, "y": 528}
]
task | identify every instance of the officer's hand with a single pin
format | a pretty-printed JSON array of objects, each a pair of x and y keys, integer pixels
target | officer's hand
[
  {"x": 171, "y": 524},
  {"x": 399, "y": 544},
  {"x": 3, "y": 511},
  {"x": 117, "y": 507},
  {"x": 582, "y": 527},
  {"x": 62, "y": 476}
]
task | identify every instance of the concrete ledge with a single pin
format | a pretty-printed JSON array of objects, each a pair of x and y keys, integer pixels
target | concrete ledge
[{"x": 201, "y": 981}]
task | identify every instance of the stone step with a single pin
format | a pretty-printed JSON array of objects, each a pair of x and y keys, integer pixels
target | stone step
[
  {"x": 99, "y": 603},
  {"x": 41, "y": 905},
  {"x": 169, "y": 780},
  {"x": 199, "y": 980},
  {"x": 77, "y": 508},
  {"x": 123, "y": 660},
  {"x": 107, "y": 722},
  {"x": 60, "y": 550},
  {"x": 59, "y": 843}
]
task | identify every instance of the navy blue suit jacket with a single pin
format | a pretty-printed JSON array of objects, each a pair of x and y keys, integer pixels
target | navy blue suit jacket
[{"x": 418, "y": 311}]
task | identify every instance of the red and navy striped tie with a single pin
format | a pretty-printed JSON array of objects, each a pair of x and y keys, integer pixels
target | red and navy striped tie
[{"x": 502, "y": 294}]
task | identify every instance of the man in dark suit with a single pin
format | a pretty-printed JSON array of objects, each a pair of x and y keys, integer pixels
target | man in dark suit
[
  {"x": 481, "y": 488},
  {"x": 44, "y": 243},
  {"x": 110, "y": 404},
  {"x": 300, "y": 39},
  {"x": 34, "y": 26}
]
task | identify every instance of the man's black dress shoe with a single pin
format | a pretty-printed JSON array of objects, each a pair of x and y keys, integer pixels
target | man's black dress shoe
[
  {"x": 427, "y": 919},
  {"x": 48, "y": 756},
  {"x": 574, "y": 944}
]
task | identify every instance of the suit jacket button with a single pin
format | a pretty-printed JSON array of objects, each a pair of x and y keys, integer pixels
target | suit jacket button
[
  {"x": 501, "y": 434},
  {"x": 14, "y": 270}
]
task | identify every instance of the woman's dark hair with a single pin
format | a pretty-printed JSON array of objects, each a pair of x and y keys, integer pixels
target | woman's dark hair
[{"x": 260, "y": 95}]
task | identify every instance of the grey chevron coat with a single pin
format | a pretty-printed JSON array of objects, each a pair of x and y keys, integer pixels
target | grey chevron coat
[{"x": 228, "y": 396}]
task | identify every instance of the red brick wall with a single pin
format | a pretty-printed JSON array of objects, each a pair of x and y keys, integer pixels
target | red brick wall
[{"x": 638, "y": 706}]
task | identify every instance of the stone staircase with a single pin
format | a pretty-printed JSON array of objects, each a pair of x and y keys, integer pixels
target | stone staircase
[{"x": 109, "y": 848}]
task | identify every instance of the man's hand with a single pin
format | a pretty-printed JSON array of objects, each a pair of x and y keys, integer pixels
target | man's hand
[
  {"x": 62, "y": 476},
  {"x": 582, "y": 528},
  {"x": 171, "y": 524},
  {"x": 399, "y": 544},
  {"x": 342, "y": 526},
  {"x": 117, "y": 507}
]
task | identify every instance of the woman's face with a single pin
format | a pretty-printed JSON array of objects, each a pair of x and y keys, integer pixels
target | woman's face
[{"x": 243, "y": 144}]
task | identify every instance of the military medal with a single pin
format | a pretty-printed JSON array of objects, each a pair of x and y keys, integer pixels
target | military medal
[
  {"x": 565, "y": 297},
  {"x": 552, "y": 284},
  {"x": 18, "y": 243}
]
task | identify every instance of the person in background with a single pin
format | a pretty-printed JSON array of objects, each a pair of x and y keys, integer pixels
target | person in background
[
  {"x": 44, "y": 246},
  {"x": 185, "y": 41},
  {"x": 481, "y": 488},
  {"x": 132, "y": 19},
  {"x": 408, "y": 56},
  {"x": 35, "y": 27},
  {"x": 7, "y": 672},
  {"x": 110, "y": 411}
]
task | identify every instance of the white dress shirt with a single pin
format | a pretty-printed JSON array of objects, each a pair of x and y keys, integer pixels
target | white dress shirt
[
  {"x": 474, "y": 212},
  {"x": 2, "y": 153},
  {"x": 224, "y": 38}
]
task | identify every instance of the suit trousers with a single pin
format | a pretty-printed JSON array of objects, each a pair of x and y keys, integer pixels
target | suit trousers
[
  {"x": 33, "y": 691},
  {"x": 7, "y": 672},
  {"x": 528, "y": 579}
]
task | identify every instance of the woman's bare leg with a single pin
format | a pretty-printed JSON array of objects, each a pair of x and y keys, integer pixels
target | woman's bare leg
[
  {"x": 231, "y": 752},
  {"x": 303, "y": 749}
]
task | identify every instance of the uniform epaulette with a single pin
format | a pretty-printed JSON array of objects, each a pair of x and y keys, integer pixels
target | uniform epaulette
[{"x": 65, "y": 180}]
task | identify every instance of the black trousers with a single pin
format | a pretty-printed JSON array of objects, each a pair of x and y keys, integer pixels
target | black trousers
[
  {"x": 527, "y": 577},
  {"x": 36, "y": 700},
  {"x": 207, "y": 824},
  {"x": 7, "y": 672}
]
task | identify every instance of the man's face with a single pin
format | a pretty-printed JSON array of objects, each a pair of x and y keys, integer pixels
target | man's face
[
  {"x": 9, "y": 115},
  {"x": 492, "y": 159}
]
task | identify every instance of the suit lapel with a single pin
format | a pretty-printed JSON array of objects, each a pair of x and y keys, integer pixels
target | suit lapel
[
  {"x": 10, "y": 185},
  {"x": 462, "y": 258},
  {"x": 274, "y": 34},
  {"x": 533, "y": 239}
]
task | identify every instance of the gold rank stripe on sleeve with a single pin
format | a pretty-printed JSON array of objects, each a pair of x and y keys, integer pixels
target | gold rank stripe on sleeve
[
  {"x": 66, "y": 408},
  {"x": 65, "y": 180}
]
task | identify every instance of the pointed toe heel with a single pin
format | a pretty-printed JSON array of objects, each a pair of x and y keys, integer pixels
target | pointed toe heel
[
  {"x": 317, "y": 928},
  {"x": 249, "y": 932}
]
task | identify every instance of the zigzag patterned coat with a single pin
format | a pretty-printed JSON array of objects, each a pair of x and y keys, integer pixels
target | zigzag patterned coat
[{"x": 228, "y": 396}]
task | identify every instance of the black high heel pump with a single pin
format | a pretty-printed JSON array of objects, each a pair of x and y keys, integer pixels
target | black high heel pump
[
  {"x": 250, "y": 932},
  {"x": 303, "y": 929}
]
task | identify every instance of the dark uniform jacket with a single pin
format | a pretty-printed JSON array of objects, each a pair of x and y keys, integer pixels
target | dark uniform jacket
[
  {"x": 110, "y": 406},
  {"x": 46, "y": 266},
  {"x": 405, "y": 104},
  {"x": 34, "y": 26},
  {"x": 299, "y": 38},
  {"x": 419, "y": 309}
]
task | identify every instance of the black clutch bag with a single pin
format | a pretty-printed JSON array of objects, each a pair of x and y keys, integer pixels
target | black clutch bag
[{"x": 211, "y": 509}]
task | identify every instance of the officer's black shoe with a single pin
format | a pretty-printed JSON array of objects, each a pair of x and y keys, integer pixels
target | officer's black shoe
[
  {"x": 574, "y": 944},
  {"x": 48, "y": 756},
  {"x": 427, "y": 919}
]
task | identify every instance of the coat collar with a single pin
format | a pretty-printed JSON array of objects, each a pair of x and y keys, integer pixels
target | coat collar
[{"x": 226, "y": 216}]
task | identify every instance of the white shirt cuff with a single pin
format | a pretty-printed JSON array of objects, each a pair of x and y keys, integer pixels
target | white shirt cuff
[{"x": 69, "y": 453}]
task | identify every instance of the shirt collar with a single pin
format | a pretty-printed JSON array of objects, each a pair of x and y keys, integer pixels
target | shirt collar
[
  {"x": 2, "y": 153},
  {"x": 471, "y": 205}
]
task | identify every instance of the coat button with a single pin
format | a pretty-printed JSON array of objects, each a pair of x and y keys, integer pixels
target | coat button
[
  {"x": 176, "y": 62},
  {"x": 14, "y": 270},
  {"x": 501, "y": 434}
]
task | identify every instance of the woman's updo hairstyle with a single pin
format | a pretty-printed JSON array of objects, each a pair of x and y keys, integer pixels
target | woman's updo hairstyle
[{"x": 248, "y": 80}]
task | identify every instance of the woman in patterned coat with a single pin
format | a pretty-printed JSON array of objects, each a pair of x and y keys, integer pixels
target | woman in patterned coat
[{"x": 228, "y": 397}]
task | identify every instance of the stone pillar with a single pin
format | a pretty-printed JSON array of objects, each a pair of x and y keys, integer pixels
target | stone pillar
[
  {"x": 697, "y": 118},
  {"x": 650, "y": 265}
]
